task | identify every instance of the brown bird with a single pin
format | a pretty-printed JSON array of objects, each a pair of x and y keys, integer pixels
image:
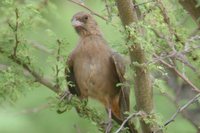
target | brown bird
[{"x": 95, "y": 68}]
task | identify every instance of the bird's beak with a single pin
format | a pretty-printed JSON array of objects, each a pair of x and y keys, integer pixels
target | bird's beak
[{"x": 77, "y": 23}]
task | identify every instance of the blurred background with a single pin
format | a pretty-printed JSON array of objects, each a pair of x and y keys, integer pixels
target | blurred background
[{"x": 43, "y": 22}]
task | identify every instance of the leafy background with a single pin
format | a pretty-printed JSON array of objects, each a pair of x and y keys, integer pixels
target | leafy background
[{"x": 24, "y": 103}]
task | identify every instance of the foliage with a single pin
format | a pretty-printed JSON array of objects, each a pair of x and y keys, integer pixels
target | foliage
[
  {"x": 44, "y": 38},
  {"x": 12, "y": 85}
]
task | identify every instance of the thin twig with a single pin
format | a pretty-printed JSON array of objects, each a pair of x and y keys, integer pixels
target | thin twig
[
  {"x": 40, "y": 47},
  {"x": 194, "y": 88},
  {"x": 85, "y": 111},
  {"x": 93, "y": 12},
  {"x": 108, "y": 9},
  {"x": 3, "y": 67},
  {"x": 167, "y": 21},
  {"x": 57, "y": 67},
  {"x": 15, "y": 31},
  {"x": 37, "y": 76},
  {"x": 77, "y": 129},
  {"x": 174, "y": 54},
  {"x": 185, "y": 61},
  {"x": 184, "y": 113},
  {"x": 194, "y": 99},
  {"x": 194, "y": 32},
  {"x": 34, "y": 110},
  {"x": 15, "y": 59},
  {"x": 109, "y": 125},
  {"x": 140, "y": 113},
  {"x": 144, "y": 3}
]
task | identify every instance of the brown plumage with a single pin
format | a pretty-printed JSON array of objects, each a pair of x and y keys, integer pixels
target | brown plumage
[{"x": 95, "y": 69}]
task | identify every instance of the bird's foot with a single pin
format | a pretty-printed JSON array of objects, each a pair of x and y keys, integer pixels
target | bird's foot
[
  {"x": 66, "y": 95},
  {"x": 64, "y": 98},
  {"x": 109, "y": 123},
  {"x": 109, "y": 126}
]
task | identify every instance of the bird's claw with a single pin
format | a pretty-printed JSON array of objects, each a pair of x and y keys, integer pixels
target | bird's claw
[
  {"x": 66, "y": 95},
  {"x": 107, "y": 125}
]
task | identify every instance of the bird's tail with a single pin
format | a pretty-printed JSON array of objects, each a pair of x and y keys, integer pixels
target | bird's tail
[{"x": 119, "y": 116}]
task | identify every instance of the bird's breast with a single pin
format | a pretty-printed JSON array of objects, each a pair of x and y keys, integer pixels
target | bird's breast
[
  {"x": 89, "y": 72},
  {"x": 94, "y": 72}
]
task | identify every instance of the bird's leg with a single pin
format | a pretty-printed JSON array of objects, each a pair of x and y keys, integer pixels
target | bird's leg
[
  {"x": 64, "y": 98},
  {"x": 109, "y": 124}
]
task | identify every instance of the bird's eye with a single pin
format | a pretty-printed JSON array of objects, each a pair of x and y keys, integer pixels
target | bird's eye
[{"x": 86, "y": 17}]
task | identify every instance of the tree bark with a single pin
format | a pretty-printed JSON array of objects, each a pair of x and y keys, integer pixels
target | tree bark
[
  {"x": 143, "y": 87},
  {"x": 193, "y": 10}
]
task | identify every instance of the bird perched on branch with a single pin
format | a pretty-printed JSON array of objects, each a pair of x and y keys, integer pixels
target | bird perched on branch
[{"x": 95, "y": 68}]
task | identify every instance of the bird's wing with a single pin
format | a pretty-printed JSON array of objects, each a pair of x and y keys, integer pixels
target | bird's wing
[
  {"x": 70, "y": 77},
  {"x": 120, "y": 66}
]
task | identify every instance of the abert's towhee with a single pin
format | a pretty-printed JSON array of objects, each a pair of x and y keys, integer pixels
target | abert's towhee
[{"x": 95, "y": 68}]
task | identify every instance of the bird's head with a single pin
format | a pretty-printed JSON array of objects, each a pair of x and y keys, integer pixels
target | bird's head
[{"x": 84, "y": 24}]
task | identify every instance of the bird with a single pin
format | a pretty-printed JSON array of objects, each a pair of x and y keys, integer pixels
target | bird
[{"x": 95, "y": 69}]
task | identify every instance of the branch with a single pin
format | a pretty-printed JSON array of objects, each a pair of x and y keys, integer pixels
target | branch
[
  {"x": 107, "y": 9},
  {"x": 77, "y": 128},
  {"x": 194, "y": 88},
  {"x": 143, "y": 3},
  {"x": 35, "y": 109},
  {"x": 26, "y": 66},
  {"x": 3, "y": 67},
  {"x": 195, "y": 32},
  {"x": 37, "y": 76},
  {"x": 57, "y": 70},
  {"x": 168, "y": 23},
  {"x": 184, "y": 113},
  {"x": 15, "y": 31},
  {"x": 191, "y": 39},
  {"x": 174, "y": 54},
  {"x": 80, "y": 105},
  {"x": 40, "y": 47},
  {"x": 143, "y": 88},
  {"x": 93, "y": 12},
  {"x": 140, "y": 113},
  {"x": 192, "y": 8},
  {"x": 65, "y": 97},
  {"x": 193, "y": 100}
]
